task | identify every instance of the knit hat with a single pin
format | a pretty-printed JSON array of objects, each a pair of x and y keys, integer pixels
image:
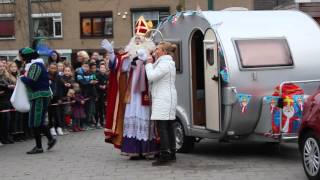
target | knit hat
[
  {"x": 28, "y": 54},
  {"x": 27, "y": 50}
]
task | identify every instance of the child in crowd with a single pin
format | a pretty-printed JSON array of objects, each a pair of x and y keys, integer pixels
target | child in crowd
[
  {"x": 101, "y": 86},
  {"x": 60, "y": 68},
  {"x": 92, "y": 95},
  {"x": 65, "y": 84},
  {"x": 16, "y": 117},
  {"x": 87, "y": 83},
  {"x": 54, "y": 110},
  {"x": 54, "y": 57},
  {"x": 78, "y": 105},
  {"x": 6, "y": 89}
]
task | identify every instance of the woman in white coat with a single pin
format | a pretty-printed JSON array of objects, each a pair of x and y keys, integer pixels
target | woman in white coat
[{"x": 161, "y": 75}]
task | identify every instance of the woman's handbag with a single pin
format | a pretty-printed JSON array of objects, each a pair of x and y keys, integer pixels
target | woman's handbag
[{"x": 19, "y": 98}]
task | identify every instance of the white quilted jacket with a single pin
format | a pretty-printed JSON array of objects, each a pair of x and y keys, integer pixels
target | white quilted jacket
[{"x": 161, "y": 76}]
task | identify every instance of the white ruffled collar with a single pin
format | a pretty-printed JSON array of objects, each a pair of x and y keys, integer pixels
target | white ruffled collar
[{"x": 38, "y": 60}]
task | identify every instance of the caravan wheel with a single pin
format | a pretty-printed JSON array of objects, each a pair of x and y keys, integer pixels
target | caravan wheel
[{"x": 184, "y": 143}]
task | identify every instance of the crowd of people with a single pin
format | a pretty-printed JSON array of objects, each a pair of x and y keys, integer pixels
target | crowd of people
[
  {"x": 77, "y": 100},
  {"x": 131, "y": 93}
]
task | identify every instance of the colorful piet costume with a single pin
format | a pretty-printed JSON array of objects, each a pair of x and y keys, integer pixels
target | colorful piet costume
[
  {"x": 139, "y": 137},
  {"x": 39, "y": 94},
  {"x": 37, "y": 83}
]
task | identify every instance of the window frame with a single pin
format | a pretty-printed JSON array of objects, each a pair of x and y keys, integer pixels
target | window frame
[
  {"x": 8, "y": 2},
  {"x": 56, "y": 17},
  {"x": 96, "y": 14},
  {"x": 44, "y": 1},
  {"x": 154, "y": 9},
  {"x": 9, "y": 17},
  {"x": 266, "y": 67}
]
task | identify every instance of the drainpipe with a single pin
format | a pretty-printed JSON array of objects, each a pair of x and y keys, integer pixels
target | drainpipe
[
  {"x": 30, "y": 22},
  {"x": 183, "y": 5},
  {"x": 211, "y": 5}
]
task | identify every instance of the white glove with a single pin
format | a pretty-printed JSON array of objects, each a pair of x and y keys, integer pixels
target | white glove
[
  {"x": 142, "y": 54},
  {"x": 27, "y": 67},
  {"x": 107, "y": 45}
]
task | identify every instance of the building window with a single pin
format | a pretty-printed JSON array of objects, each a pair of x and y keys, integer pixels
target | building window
[
  {"x": 43, "y": 0},
  {"x": 256, "y": 53},
  {"x": 152, "y": 16},
  {"x": 7, "y": 57},
  {"x": 96, "y": 24},
  {"x": 47, "y": 25},
  {"x": 7, "y": 26},
  {"x": 6, "y": 1}
]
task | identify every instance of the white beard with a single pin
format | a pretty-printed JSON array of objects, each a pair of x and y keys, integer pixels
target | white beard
[
  {"x": 288, "y": 111},
  {"x": 132, "y": 47}
]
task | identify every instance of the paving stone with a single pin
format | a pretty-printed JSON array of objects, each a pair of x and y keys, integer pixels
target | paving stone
[{"x": 85, "y": 156}]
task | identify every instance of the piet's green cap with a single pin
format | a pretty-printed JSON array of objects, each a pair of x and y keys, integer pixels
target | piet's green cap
[{"x": 27, "y": 51}]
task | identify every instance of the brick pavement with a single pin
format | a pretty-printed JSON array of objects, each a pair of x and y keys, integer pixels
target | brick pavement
[{"x": 85, "y": 156}]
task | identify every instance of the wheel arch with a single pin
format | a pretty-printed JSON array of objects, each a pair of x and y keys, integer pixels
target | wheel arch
[
  {"x": 182, "y": 117},
  {"x": 302, "y": 135}
]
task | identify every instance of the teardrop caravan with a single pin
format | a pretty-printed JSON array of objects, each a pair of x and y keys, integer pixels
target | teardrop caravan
[{"x": 228, "y": 66}]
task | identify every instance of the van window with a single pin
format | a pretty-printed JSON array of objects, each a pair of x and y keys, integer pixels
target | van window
[{"x": 255, "y": 53}]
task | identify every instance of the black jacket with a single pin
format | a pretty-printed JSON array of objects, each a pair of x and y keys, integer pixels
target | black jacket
[
  {"x": 62, "y": 89},
  {"x": 103, "y": 80},
  {"x": 5, "y": 94}
]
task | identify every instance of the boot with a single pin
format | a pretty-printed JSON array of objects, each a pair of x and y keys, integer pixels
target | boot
[
  {"x": 10, "y": 140},
  {"x": 35, "y": 150},
  {"x": 173, "y": 157},
  {"x": 75, "y": 129},
  {"x": 163, "y": 160},
  {"x": 51, "y": 144}
]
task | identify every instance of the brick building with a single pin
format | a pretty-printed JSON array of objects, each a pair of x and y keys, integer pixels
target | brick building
[{"x": 72, "y": 25}]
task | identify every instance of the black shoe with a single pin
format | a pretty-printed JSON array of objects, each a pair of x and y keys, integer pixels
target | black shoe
[
  {"x": 163, "y": 160},
  {"x": 6, "y": 141},
  {"x": 23, "y": 138},
  {"x": 35, "y": 150},
  {"x": 135, "y": 158},
  {"x": 16, "y": 139},
  {"x": 173, "y": 157},
  {"x": 51, "y": 143},
  {"x": 10, "y": 141}
]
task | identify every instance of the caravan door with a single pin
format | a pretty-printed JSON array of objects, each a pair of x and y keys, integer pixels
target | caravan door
[{"x": 211, "y": 74}]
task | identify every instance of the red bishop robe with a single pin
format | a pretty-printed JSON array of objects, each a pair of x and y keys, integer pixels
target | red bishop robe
[{"x": 115, "y": 108}]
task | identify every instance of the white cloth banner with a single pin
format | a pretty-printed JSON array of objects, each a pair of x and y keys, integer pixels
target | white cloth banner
[{"x": 19, "y": 98}]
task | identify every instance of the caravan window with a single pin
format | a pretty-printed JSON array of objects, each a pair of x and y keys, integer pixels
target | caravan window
[{"x": 255, "y": 53}]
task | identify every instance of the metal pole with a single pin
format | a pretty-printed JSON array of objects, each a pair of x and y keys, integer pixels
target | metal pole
[
  {"x": 30, "y": 23},
  {"x": 210, "y": 5}
]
